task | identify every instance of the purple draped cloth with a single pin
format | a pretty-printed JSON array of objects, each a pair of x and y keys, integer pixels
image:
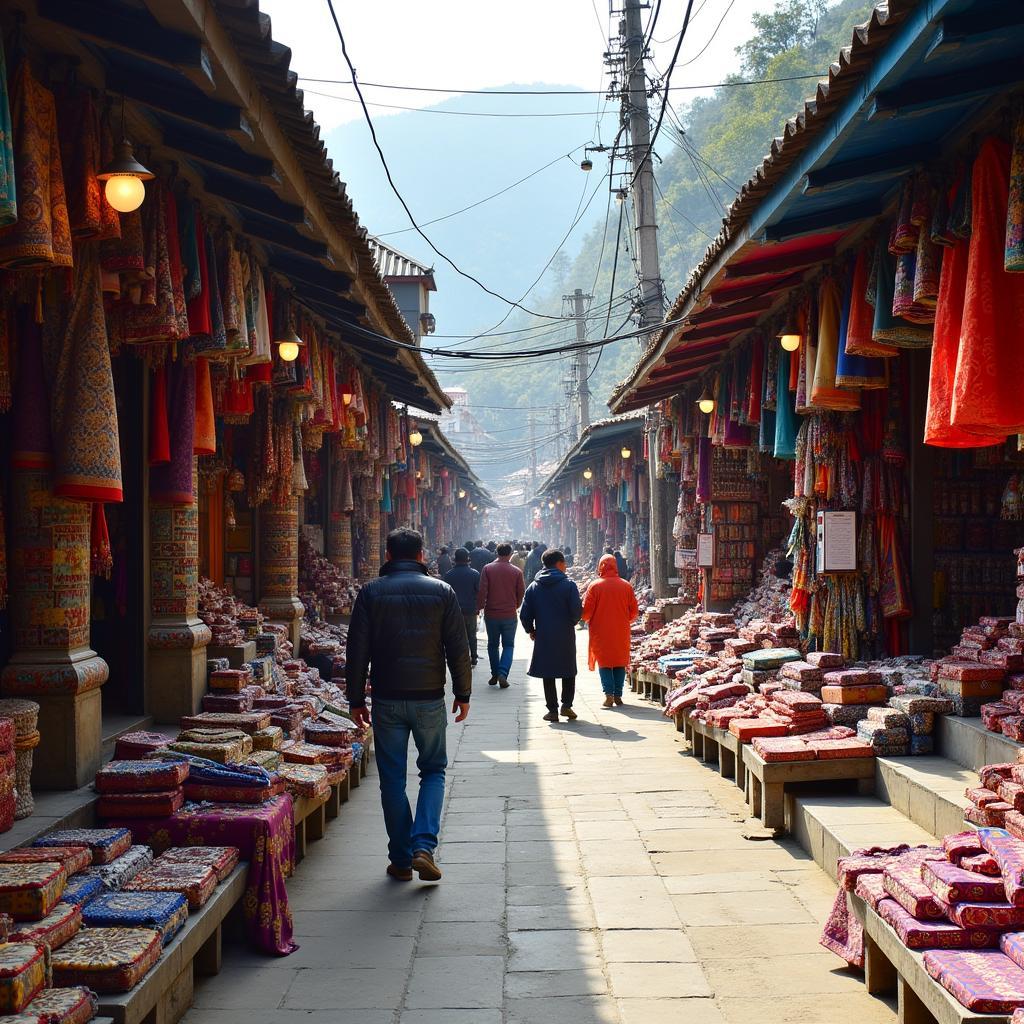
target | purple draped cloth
[
  {"x": 704, "y": 469},
  {"x": 265, "y": 837}
]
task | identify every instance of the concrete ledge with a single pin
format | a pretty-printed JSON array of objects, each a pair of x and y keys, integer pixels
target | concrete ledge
[
  {"x": 928, "y": 790},
  {"x": 165, "y": 994},
  {"x": 969, "y": 743}
]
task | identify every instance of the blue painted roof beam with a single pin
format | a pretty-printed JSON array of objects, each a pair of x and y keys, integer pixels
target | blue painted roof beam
[
  {"x": 882, "y": 167},
  {"x": 960, "y": 33},
  {"x": 826, "y": 220}
]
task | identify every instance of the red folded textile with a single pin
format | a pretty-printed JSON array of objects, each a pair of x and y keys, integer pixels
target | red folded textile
[
  {"x": 852, "y": 677},
  {"x": 915, "y": 934},
  {"x": 1012, "y": 793},
  {"x": 140, "y": 805},
  {"x": 952, "y": 884},
  {"x": 876, "y": 693},
  {"x": 980, "y": 796},
  {"x": 825, "y": 660},
  {"x": 999, "y": 915},
  {"x": 231, "y": 794},
  {"x": 970, "y": 672},
  {"x": 991, "y": 774},
  {"x": 993, "y": 816},
  {"x": 833, "y": 750},
  {"x": 983, "y": 863},
  {"x": 903, "y": 883},
  {"x": 1008, "y": 853},
  {"x": 871, "y": 889},
  {"x": 962, "y": 844},
  {"x": 140, "y": 776},
  {"x": 984, "y": 981},
  {"x": 782, "y": 748},
  {"x": 746, "y": 729}
]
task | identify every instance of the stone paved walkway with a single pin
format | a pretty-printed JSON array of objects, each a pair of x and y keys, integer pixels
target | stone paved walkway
[{"x": 593, "y": 873}]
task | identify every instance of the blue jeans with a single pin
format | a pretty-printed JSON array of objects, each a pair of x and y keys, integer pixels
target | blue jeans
[
  {"x": 612, "y": 680},
  {"x": 393, "y": 722},
  {"x": 505, "y": 631}
]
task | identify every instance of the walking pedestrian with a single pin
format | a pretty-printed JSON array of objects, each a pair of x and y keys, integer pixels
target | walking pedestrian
[
  {"x": 408, "y": 627},
  {"x": 479, "y": 556},
  {"x": 465, "y": 581},
  {"x": 519, "y": 558},
  {"x": 609, "y": 608},
  {"x": 534, "y": 562},
  {"x": 551, "y": 609},
  {"x": 501, "y": 593},
  {"x": 444, "y": 563},
  {"x": 568, "y": 556},
  {"x": 620, "y": 564}
]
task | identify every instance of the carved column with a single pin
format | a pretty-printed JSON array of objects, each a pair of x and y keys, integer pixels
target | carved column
[
  {"x": 52, "y": 662},
  {"x": 279, "y": 566},
  {"x": 177, "y": 639}
]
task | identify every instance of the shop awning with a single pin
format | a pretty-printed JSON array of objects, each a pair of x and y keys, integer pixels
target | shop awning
[
  {"x": 914, "y": 75},
  {"x": 595, "y": 440},
  {"x": 436, "y": 442},
  {"x": 209, "y": 92}
]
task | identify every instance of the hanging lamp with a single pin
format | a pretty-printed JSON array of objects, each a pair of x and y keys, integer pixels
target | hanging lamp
[{"x": 706, "y": 402}]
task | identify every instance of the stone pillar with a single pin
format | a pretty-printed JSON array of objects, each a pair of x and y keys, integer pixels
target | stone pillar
[
  {"x": 177, "y": 639},
  {"x": 52, "y": 662},
  {"x": 279, "y": 566},
  {"x": 339, "y": 540}
]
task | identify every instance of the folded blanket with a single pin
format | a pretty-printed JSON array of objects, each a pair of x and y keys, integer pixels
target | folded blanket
[
  {"x": 916, "y": 934},
  {"x": 983, "y": 981}
]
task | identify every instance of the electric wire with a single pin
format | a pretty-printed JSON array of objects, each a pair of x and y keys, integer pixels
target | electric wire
[
  {"x": 452, "y": 113},
  {"x": 700, "y": 52},
  {"x": 679, "y": 213},
  {"x": 394, "y": 187}
]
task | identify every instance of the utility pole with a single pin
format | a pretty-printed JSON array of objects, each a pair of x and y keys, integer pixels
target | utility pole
[
  {"x": 582, "y": 361},
  {"x": 651, "y": 309},
  {"x": 533, "y": 456}
]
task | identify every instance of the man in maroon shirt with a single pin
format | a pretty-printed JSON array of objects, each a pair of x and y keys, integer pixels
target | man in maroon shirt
[{"x": 501, "y": 593}]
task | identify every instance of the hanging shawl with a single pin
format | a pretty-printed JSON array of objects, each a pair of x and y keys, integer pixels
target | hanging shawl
[
  {"x": 261, "y": 348},
  {"x": 755, "y": 382},
  {"x": 171, "y": 482},
  {"x": 78, "y": 127},
  {"x": 853, "y": 371},
  {"x": 888, "y": 327},
  {"x": 205, "y": 436},
  {"x": 8, "y": 187},
  {"x": 31, "y": 444},
  {"x": 101, "y": 558},
  {"x": 83, "y": 410},
  {"x": 807, "y": 356},
  {"x": 824, "y": 393},
  {"x": 990, "y": 365},
  {"x": 894, "y": 586},
  {"x": 769, "y": 378},
  {"x": 41, "y": 236},
  {"x": 1013, "y": 254},
  {"x": 786, "y": 424},
  {"x": 703, "y": 469},
  {"x": 159, "y": 429},
  {"x": 200, "y": 322},
  {"x": 859, "y": 338},
  {"x": 191, "y": 258}
]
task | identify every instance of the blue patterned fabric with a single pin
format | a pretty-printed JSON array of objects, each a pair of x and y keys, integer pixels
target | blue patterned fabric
[
  {"x": 167, "y": 912},
  {"x": 82, "y": 888},
  {"x": 204, "y": 772},
  {"x": 122, "y": 869}
]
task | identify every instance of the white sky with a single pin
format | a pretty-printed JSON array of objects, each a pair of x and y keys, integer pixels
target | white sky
[{"x": 479, "y": 44}]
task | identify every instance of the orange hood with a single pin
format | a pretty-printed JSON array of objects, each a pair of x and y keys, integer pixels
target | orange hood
[{"x": 607, "y": 566}]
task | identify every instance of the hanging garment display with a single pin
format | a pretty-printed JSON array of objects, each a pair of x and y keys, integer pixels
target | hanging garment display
[
  {"x": 171, "y": 482},
  {"x": 786, "y": 423},
  {"x": 824, "y": 393},
  {"x": 1013, "y": 256},
  {"x": 8, "y": 181},
  {"x": 853, "y": 371}
]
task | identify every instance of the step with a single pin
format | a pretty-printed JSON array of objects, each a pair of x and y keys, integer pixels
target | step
[
  {"x": 927, "y": 790},
  {"x": 829, "y": 823},
  {"x": 968, "y": 742}
]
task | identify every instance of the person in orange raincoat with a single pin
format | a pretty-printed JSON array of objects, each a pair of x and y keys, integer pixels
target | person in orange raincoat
[{"x": 609, "y": 608}]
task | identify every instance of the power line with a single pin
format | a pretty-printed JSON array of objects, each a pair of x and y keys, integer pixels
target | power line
[
  {"x": 451, "y": 113},
  {"x": 394, "y": 187},
  {"x": 727, "y": 84},
  {"x": 680, "y": 213},
  {"x": 712, "y": 37}
]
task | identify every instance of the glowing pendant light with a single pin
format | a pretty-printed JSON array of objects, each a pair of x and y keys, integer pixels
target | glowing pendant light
[{"x": 706, "y": 402}]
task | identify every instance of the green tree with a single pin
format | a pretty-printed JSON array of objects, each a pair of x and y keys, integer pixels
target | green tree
[{"x": 792, "y": 23}]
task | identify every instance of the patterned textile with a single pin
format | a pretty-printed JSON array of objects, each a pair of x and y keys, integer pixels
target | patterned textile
[
  {"x": 133, "y": 745},
  {"x": 204, "y": 771},
  {"x": 264, "y": 836},
  {"x": 314, "y": 753},
  {"x": 871, "y": 889},
  {"x": 74, "y": 858},
  {"x": 41, "y": 236},
  {"x": 305, "y": 779},
  {"x": 1013, "y": 254},
  {"x": 1009, "y": 855},
  {"x": 903, "y": 883},
  {"x": 223, "y": 859},
  {"x": 170, "y": 482},
  {"x": 270, "y": 738},
  {"x": 990, "y": 362},
  {"x": 271, "y": 760},
  {"x": 329, "y": 734},
  {"x": 982, "y": 863},
  {"x": 28, "y": 892},
  {"x": 1012, "y": 944},
  {"x": 951, "y": 884},
  {"x": 235, "y": 703},
  {"x": 59, "y": 1006},
  {"x": 140, "y": 805},
  {"x": 824, "y": 392},
  {"x": 196, "y": 882},
  {"x": 8, "y": 186},
  {"x": 247, "y": 722},
  {"x": 83, "y": 410},
  {"x": 59, "y": 926},
  {"x": 24, "y": 970},
  {"x": 107, "y": 959},
  {"x": 986, "y": 982},
  {"x": 167, "y": 912},
  {"x": 1000, "y": 915},
  {"x": 224, "y": 753},
  {"x": 230, "y": 794},
  {"x": 115, "y": 874},
  {"x": 105, "y": 843},
  {"x": 916, "y": 934},
  {"x": 140, "y": 776},
  {"x": 81, "y": 889}
]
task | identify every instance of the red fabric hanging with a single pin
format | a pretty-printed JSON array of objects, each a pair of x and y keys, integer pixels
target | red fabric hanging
[
  {"x": 199, "y": 322},
  {"x": 101, "y": 558},
  {"x": 159, "y": 435},
  {"x": 756, "y": 373},
  {"x": 205, "y": 442}
]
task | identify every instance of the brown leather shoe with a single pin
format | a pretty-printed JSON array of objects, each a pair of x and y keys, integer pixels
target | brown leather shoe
[
  {"x": 551, "y": 716},
  {"x": 609, "y": 701},
  {"x": 619, "y": 701},
  {"x": 400, "y": 874},
  {"x": 568, "y": 712},
  {"x": 423, "y": 864}
]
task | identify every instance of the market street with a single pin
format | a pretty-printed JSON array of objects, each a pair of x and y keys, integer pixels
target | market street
[{"x": 578, "y": 888}]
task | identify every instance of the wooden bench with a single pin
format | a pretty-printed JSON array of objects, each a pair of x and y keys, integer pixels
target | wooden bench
[
  {"x": 890, "y": 967},
  {"x": 310, "y": 816},
  {"x": 766, "y": 781},
  {"x": 165, "y": 993}
]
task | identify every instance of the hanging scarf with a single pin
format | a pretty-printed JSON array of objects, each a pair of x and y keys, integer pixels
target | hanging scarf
[
  {"x": 853, "y": 371},
  {"x": 101, "y": 558},
  {"x": 859, "y": 338},
  {"x": 1013, "y": 253},
  {"x": 41, "y": 236},
  {"x": 8, "y": 181},
  {"x": 159, "y": 431},
  {"x": 786, "y": 424},
  {"x": 887, "y": 326},
  {"x": 205, "y": 436},
  {"x": 824, "y": 393},
  {"x": 171, "y": 482}
]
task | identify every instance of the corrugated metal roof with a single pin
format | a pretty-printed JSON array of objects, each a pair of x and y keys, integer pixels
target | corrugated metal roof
[
  {"x": 595, "y": 436},
  {"x": 393, "y": 263},
  {"x": 844, "y": 75}
]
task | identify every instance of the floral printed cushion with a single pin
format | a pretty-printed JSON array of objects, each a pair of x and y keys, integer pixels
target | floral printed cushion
[
  {"x": 59, "y": 926},
  {"x": 105, "y": 843},
  {"x": 74, "y": 858},
  {"x": 28, "y": 892},
  {"x": 167, "y": 912},
  {"x": 140, "y": 776},
  {"x": 222, "y": 859},
  {"x": 194, "y": 881},
  {"x": 107, "y": 959},
  {"x": 24, "y": 970}
]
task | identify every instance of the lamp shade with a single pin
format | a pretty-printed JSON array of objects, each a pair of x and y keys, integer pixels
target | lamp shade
[
  {"x": 626, "y": 451},
  {"x": 124, "y": 177},
  {"x": 415, "y": 437},
  {"x": 587, "y": 473},
  {"x": 706, "y": 402}
]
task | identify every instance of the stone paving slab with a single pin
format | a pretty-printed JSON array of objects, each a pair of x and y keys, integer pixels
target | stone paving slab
[{"x": 593, "y": 875}]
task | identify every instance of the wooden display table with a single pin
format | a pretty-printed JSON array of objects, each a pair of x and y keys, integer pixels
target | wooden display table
[{"x": 766, "y": 781}]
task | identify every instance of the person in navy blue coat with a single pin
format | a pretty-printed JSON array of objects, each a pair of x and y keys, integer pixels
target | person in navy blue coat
[{"x": 550, "y": 611}]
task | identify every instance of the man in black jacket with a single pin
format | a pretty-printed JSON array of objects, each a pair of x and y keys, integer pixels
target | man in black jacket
[
  {"x": 465, "y": 581},
  {"x": 408, "y": 626}
]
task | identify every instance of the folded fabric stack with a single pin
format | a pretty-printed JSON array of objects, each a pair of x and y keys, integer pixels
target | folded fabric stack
[
  {"x": 886, "y": 731},
  {"x": 247, "y": 721},
  {"x": 331, "y": 734},
  {"x": 25, "y": 715},
  {"x": 969, "y": 684},
  {"x": 117, "y": 873},
  {"x": 228, "y": 783},
  {"x": 74, "y": 858},
  {"x": 195, "y": 881},
  {"x": 76, "y": 1005},
  {"x": 226, "y": 746},
  {"x": 166, "y": 912},
  {"x": 801, "y": 676},
  {"x": 222, "y": 859},
  {"x": 81, "y": 889},
  {"x": 105, "y": 844},
  {"x": 305, "y": 779},
  {"x": 107, "y": 959},
  {"x": 8, "y": 766},
  {"x": 853, "y": 686},
  {"x": 28, "y": 892},
  {"x": 270, "y": 738},
  {"x": 230, "y": 680},
  {"x": 800, "y": 710},
  {"x": 297, "y": 752},
  {"x": 821, "y": 746},
  {"x": 763, "y": 664},
  {"x": 270, "y": 760},
  {"x": 234, "y": 703},
  {"x": 140, "y": 789},
  {"x": 999, "y": 800},
  {"x": 61, "y": 925},
  {"x": 24, "y": 972},
  {"x": 133, "y": 745}
]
